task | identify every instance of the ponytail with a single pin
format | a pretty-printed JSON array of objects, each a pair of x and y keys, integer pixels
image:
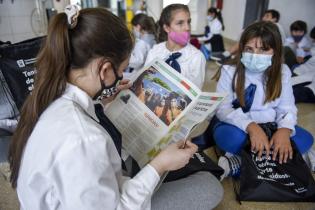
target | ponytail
[
  {"x": 50, "y": 81},
  {"x": 218, "y": 15},
  {"x": 220, "y": 18}
]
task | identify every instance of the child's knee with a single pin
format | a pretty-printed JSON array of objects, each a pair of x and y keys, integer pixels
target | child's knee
[
  {"x": 303, "y": 139},
  {"x": 229, "y": 138}
]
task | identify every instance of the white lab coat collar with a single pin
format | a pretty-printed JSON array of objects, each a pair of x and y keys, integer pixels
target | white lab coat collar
[
  {"x": 184, "y": 56},
  {"x": 81, "y": 98}
]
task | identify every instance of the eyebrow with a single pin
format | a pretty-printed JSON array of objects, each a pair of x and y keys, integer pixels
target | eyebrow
[{"x": 182, "y": 20}]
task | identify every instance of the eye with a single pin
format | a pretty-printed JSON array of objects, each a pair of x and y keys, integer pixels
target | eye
[{"x": 248, "y": 49}]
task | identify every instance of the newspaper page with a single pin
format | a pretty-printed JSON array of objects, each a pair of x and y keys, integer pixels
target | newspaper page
[{"x": 160, "y": 105}]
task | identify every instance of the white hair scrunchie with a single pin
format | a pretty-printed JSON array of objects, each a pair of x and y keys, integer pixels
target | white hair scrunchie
[{"x": 72, "y": 12}]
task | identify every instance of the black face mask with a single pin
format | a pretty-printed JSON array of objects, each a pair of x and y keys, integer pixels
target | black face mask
[
  {"x": 298, "y": 38},
  {"x": 108, "y": 90}
]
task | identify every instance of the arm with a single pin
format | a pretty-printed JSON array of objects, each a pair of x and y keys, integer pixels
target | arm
[
  {"x": 226, "y": 112},
  {"x": 88, "y": 177},
  {"x": 150, "y": 57},
  {"x": 197, "y": 69},
  {"x": 138, "y": 55},
  {"x": 286, "y": 120},
  {"x": 286, "y": 109}
]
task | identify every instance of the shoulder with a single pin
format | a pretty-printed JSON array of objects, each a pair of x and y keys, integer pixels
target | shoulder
[
  {"x": 226, "y": 73},
  {"x": 289, "y": 39},
  {"x": 286, "y": 72},
  {"x": 228, "y": 70},
  {"x": 161, "y": 47},
  {"x": 216, "y": 21},
  {"x": 140, "y": 44},
  {"x": 81, "y": 128},
  {"x": 192, "y": 52},
  {"x": 306, "y": 41}
]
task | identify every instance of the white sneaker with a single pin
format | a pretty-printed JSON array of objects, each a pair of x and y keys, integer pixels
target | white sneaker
[{"x": 231, "y": 166}]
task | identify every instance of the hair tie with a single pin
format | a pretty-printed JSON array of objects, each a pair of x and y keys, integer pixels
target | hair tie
[{"x": 72, "y": 12}]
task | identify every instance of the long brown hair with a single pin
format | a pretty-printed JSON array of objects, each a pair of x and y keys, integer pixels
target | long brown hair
[
  {"x": 166, "y": 19},
  {"x": 66, "y": 49},
  {"x": 270, "y": 38},
  {"x": 146, "y": 22}
]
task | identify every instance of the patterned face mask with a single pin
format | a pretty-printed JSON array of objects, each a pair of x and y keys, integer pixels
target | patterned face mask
[{"x": 108, "y": 90}]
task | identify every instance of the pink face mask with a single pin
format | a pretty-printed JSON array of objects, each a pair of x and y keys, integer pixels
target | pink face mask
[{"x": 181, "y": 38}]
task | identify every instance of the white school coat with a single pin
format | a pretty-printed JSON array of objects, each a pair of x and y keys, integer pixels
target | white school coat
[
  {"x": 299, "y": 50},
  {"x": 192, "y": 61},
  {"x": 305, "y": 73},
  {"x": 70, "y": 162},
  {"x": 215, "y": 28},
  {"x": 139, "y": 54},
  {"x": 282, "y": 33},
  {"x": 282, "y": 110}
]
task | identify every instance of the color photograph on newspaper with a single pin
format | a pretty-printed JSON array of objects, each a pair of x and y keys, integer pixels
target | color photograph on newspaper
[{"x": 160, "y": 95}]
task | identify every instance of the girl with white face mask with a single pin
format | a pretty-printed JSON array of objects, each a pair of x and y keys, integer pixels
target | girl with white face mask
[
  {"x": 175, "y": 49},
  {"x": 260, "y": 91},
  {"x": 212, "y": 38}
]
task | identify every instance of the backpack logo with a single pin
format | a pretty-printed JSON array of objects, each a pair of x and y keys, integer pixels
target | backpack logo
[{"x": 20, "y": 63}]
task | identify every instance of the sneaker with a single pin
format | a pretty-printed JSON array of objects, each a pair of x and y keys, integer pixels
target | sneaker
[
  {"x": 205, "y": 52},
  {"x": 309, "y": 158},
  {"x": 217, "y": 56},
  {"x": 231, "y": 166}
]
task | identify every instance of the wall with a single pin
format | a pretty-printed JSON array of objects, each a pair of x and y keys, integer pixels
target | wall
[
  {"x": 15, "y": 20},
  {"x": 291, "y": 11},
  {"x": 154, "y": 8},
  {"x": 233, "y": 17},
  {"x": 198, "y": 12}
]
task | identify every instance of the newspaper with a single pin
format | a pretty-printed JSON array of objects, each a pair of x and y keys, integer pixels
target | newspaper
[{"x": 160, "y": 108}]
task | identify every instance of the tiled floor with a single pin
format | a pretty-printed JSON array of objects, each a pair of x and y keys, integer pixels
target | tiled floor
[{"x": 306, "y": 118}]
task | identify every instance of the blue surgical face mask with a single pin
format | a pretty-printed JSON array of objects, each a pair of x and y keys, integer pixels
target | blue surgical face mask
[
  {"x": 256, "y": 62},
  {"x": 210, "y": 18}
]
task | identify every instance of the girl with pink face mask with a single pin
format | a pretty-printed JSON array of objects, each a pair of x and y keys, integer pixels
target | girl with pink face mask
[{"x": 174, "y": 46}]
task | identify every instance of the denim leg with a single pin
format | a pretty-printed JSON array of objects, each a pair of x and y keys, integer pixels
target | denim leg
[
  {"x": 229, "y": 137},
  {"x": 302, "y": 139}
]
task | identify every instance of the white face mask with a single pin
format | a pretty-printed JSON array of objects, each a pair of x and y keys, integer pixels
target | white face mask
[
  {"x": 136, "y": 33},
  {"x": 256, "y": 62},
  {"x": 210, "y": 18}
]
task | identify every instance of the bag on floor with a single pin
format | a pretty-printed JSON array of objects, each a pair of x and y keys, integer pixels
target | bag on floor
[
  {"x": 267, "y": 180},
  {"x": 17, "y": 67},
  {"x": 199, "y": 162}
]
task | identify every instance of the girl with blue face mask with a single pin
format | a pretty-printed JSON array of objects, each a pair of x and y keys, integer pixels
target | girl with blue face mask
[
  {"x": 259, "y": 91},
  {"x": 297, "y": 44}
]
